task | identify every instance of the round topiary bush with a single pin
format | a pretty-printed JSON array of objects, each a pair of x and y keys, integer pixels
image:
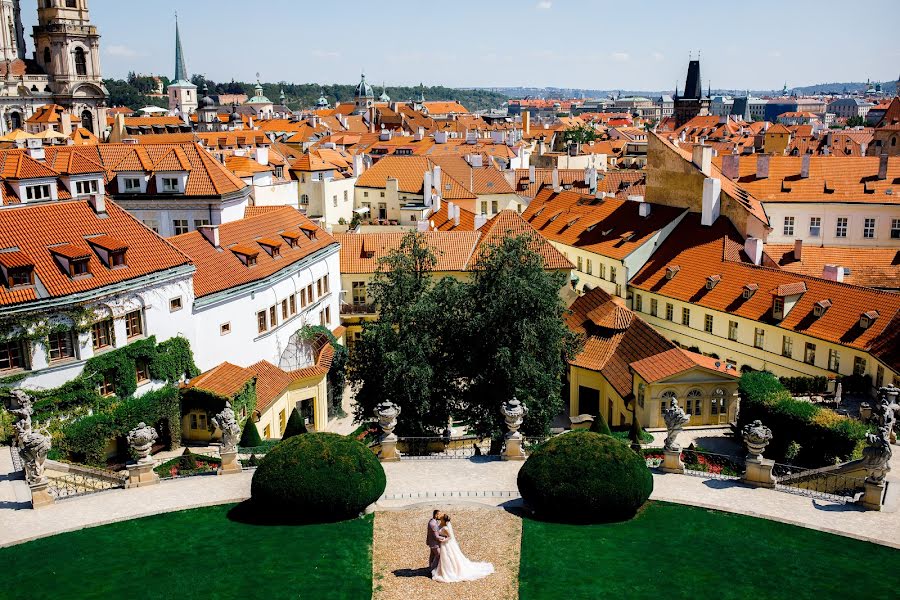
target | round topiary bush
[
  {"x": 583, "y": 476},
  {"x": 318, "y": 477}
]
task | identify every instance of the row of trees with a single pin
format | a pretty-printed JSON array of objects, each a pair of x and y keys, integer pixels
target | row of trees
[{"x": 443, "y": 347}]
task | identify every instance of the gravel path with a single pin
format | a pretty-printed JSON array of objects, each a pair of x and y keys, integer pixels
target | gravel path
[{"x": 400, "y": 557}]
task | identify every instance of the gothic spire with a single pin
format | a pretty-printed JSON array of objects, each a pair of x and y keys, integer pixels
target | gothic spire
[{"x": 181, "y": 73}]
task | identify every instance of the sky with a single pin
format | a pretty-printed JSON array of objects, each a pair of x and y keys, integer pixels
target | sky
[{"x": 636, "y": 45}]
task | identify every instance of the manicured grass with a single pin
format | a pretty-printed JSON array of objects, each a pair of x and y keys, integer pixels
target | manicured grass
[
  {"x": 674, "y": 551},
  {"x": 196, "y": 553}
]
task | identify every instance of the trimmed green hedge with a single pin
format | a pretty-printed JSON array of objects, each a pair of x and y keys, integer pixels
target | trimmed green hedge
[
  {"x": 824, "y": 436},
  {"x": 583, "y": 476},
  {"x": 250, "y": 435},
  {"x": 295, "y": 425},
  {"x": 318, "y": 477}
]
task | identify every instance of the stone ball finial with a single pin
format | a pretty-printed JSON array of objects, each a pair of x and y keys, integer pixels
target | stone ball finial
[
  {"x": 141, "y": 440},
  {"x": 756, "y": 436}
]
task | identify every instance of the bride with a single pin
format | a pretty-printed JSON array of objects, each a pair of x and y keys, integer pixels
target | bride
[{"x": 454, "y": 566}]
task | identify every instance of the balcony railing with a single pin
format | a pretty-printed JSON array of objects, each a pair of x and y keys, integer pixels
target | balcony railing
[{"x": 358, "y": 309}]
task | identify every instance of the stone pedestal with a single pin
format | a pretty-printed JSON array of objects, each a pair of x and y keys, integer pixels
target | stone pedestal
[
  {"x": 672, "y": 462},
  {"x": 759, "y": 473},
  {"x": 230, "y": 463},
  {"x": 389, "y": 449},
  {"x": 873, "y": 497},
  {"x": 40, "y": 494},
  {"x": 513, "y": 449},
  {"x": 141, "y": 474}
]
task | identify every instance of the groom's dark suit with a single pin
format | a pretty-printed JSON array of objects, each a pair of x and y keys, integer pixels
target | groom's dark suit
[{"x": 433, "y": 540}]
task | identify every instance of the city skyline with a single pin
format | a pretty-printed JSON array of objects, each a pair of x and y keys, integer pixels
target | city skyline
[{"x": 457, "y": 53}]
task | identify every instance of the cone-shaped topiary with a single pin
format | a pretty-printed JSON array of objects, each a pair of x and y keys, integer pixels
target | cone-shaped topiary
[
  {"x": 583, "y": 476},
  {"x": 599, "y": 425},
  {"x": 250, "y": 435},
  {"x": 187, "y": 462},
  {"x": 318, "y": 476},
  {"x": 295, "y": 425}
]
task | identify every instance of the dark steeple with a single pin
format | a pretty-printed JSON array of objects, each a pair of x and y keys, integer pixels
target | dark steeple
[{"x": 692, "y": 85}]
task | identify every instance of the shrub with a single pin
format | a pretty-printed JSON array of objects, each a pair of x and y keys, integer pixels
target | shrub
[
  {"x": 318, "y": 477},
  {"x": 599, "y": 425},
  {"x": 187, "y": 462},
  {"x": 583, "y": 476},
  {"x": 295, "y": 425},
  {"x": 802, "y": 432},
  {"x": 250, "y": 435}
]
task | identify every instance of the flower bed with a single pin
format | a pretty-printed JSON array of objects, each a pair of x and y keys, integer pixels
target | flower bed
[
  {"x": 171, "y": 469},
  {"x": 698, "y": 460}
]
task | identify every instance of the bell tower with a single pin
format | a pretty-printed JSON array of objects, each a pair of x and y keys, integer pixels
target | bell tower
[{"x": 12, "y": 34}]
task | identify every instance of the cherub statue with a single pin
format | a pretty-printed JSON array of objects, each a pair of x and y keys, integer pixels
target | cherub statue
[{"x": 675, "y": 419}]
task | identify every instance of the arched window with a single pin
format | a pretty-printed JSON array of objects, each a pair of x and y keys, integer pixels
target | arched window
[
  {"x": 717, "y": 406},
  {"x": 47, "y": 55},
  {"x": 15, "y": 120},
  {"x": 694, "y": 403},
  {"x": 80, "y": 62},
  {"x": 87, "y": 120},
  {"x": 666, "y": 400},
  {"x": 893, "y": 141}
]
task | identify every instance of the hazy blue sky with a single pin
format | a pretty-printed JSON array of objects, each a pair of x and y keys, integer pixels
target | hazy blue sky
[{"x": 637, "y": 44}]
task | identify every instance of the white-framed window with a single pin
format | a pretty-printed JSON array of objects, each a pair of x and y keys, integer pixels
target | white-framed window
[
  {"x": 686, "y": 316},
  {"x": 789, "y": 226},
  {"x": 868, "y": 228},
  {"x": 175, "y": 304},
  {"x": 809, "y": 353},
  {"x": 83, "y": 188},
  {"x": 131, "y": 184},
  {"x": 815, "y": 226},
  {"x": 262, "y": 322},
  {"x": 170, "y": 184},
  {"x": 732, "y": 330},
  {"x": 589, "y": 267},
  {"x": 895, "y": 229},
  {"x": 759, "y": 337},
  {"x": 840, "y": 228},
  {"x": 670, "y": 312},
  {"x": 225, "y": 328},
  {"x": 787, "y": 347},
  {"x": 38, "y": 192},
  {"x": 180, "y": 226},
  {"x": 601, "y": 272},
  {"x": 151, "y": 224},
  {"x": 638, "y": 303},
  {"x": 834, "y": 360}
]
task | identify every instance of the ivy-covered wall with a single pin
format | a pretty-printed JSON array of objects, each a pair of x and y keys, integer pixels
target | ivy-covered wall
[
  {"x": 242, "y": 403},
  {"x": 337, "y": 374}
]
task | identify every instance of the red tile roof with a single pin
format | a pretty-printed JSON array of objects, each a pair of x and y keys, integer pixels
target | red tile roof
[
  {"x": 225, "y": 380},
  {"x": 869, "y": 267}
]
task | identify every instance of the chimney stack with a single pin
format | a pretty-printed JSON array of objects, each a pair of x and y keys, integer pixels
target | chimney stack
[
  {"x": 644, "y": 209},
  {"x": 427, "y": 187},
  {"x": 731, "y": 166},
  {"x": 531, "y": 174},
  {"x": 480, "y": 220},
  {"x": 702, "y": 158},
  {"x": 556, "y": 187},
  {"x": 762, "y": 166},
  {"x": 798, "y": 249},
  {"x": 712, "y": 201},
  {"x": 98, "y": 203},
  {"x": 882, "y": 167},
  {"x": 211, "y": 233},
  {"x": 833, "y": 273},
  {"x": 526, "y": 123},
  {"x": 436, "y": 178},
  {"x": 754, "y": 249},
  {"x": 804, "y": 166}
]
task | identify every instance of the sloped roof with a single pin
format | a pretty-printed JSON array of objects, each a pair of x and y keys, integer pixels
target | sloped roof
[
  {"x": 224, "y": 380},
  {"x": 869, "y": 267},
  {"x": 360, "y": 252},
  {"x": 509, "y": 223}
]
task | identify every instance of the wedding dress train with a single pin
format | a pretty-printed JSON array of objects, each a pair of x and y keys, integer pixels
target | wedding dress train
[{"x": 454, "y": 566}]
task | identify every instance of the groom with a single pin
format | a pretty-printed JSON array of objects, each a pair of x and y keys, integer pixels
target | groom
[{"x": 434, "y": 539}]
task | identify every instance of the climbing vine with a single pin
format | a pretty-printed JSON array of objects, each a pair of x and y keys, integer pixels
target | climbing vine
[
  {"x": 337, "y": 375},
  {"x": 242, "y": 403},
  {"x": 37, "y": 326}
]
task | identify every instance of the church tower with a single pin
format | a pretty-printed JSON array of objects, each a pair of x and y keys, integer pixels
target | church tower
[
  {"x": 12, "y": 40},
  {"x": 67, "y": 46},
  {"x": 182, "y": 93},
  {"x": 692, "y": 102}
]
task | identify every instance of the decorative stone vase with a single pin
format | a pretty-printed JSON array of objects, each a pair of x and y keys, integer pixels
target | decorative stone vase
[
  {"x": 141, "y": 440},
  {"x": 387, "y": 413},
  {"x": 35, "y": 447},
  {"x": 231, "y": 431},
  {"x": 675, "y": 419},
  {"x": 756, "y": 437},
  {"x": 513, "y": 412},
  {"x": 877, "y": 456}
]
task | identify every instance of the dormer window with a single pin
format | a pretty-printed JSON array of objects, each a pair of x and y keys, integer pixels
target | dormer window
[
  {"x": 292, "y": 238},
  {"x": 37, "y": 192},
  {"x": 309, "y": 231},
  {"x": 749, "y": 290},
  {"x": 17, "y": 268},
  {"x": 820, "y": 307},
  {"x": 867, "y": 318},
  {"x": 79, "y": 268},
  {"x": 117, "y": 259},
  {"x": 247, "y": 254},
  {"x": 712, "y": 281},
  {"x": 86, "y": 188},
  {"x": 170, "y": 185},
  {"x": 72, "y": 259},
  {"x": 131, "y": 185},
  {"x": 271, "y": 246},
  {"x": 21, "y": 277},
  {"x": 778, "y": 307},
  {"x": 110, "y": 250},
  {"x": 672, "y": 271}
]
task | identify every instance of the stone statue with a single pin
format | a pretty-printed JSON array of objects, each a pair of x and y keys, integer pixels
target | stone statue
[
  {"x": 21, "y": 406},
  {"x": 675, "y": 419},
  {"x": 877, "y": 455},
  {"x": 231, "y": 431},
  {"x": 141, "y": 440},
  {"x": 884, "y": 412},
  {"x": 756, "y": 436},
  {"x": 35, "y": 447},
  {"x": 387, "y": 412},
  {"x": 513, "y": 412}
]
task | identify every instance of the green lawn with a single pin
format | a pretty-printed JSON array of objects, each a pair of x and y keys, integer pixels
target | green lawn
[
  {"x": 674, "y": 551},
  {"x": 195, "y": 553}
]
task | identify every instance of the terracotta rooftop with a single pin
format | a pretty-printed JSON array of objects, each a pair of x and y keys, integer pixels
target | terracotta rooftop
[
  {"x": 573, "y": 178},
  {"x": 225, "y": 380},
  {"x": 409, "y": 172},
  {"x": 360, "y": 252},
  {"x": 868, "y": 267}
]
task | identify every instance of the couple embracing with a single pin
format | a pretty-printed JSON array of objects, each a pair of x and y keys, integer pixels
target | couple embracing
[{"x": 447, "y": 563}]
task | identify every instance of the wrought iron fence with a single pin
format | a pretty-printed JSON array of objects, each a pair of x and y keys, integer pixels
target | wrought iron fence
[
  {"x": 420, "y": 448},
  {"x": 81, "y": 480},
  {"x": 822, "y": 483},
  {"x": 17, "y": 463},
  {"x": 711, "y": 465}
]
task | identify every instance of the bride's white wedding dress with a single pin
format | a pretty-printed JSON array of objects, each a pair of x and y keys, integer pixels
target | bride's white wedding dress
[{"x": 454, "y": 566}]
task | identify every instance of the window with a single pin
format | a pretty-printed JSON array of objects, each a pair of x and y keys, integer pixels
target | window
[
  {"x": 180, "y": 226},
  {"x": 580, "y": 266},
  {"x": 142, "y": 370},
  {"x": 638, "y": 303},
  {"x": 815, "y": 226},
  {"x": 778, "y": 307},
  {"x": 12, "y": 355},
  {"x": 494, "y": 207},
  {"x": 717, "y": 406},
  {"x": 304, "y": 199},
  {"x": 47, "y": 56},
  {"x": 322, "y": 318},
  {"x": 293, "y": 304},
  {"x": 618, "y": 289},
  {"x": 303, "y": 298},
  {"x": 261, "y": 321},
  {"x": 107, "y": 385},
  {"x": 868, "y": 228},
  {"x": 224, "y": 328},
  {"x": 686, "y": 316},
  {"x": 809, "y": 354},
  {"x": 117, "y": 259},
  {"x": 732, "y": 330},
  {"x": 589, "y": 267},
  {"x": 170, "y": 184},
  {"x": 759, "y": 337},
  {"x": 840, "y": 229},
  {"x": 334, "y": 200},
  {"x": 654, "y": 306},
  {"x": 612, "y": 274},
  {"x": 670, "y": 312},
  {"x": 358, "y": 293},
  {"x": 319, "y": 287},
  {"x": 175, "y": 304},
  {"x": 267, "y": 432},
  {"x": 20, "y": 277},
  {"x": 79, "y": 268},
  {"x": 708, "y": 324},
  {"x": 251, "y": 261},
  {"x": 328, "y": 315},
  {"x": 666, "y": 400},
  {"x": 281, "y": 421},
  {"x": 80, "y": 62},
  {"x": 132, "y": 184},
  {"x": 284, "y": 310},
  {"x": 60, "y": 345},
  {"x": 859, "y": 365},
  {"x": 151, "y": 224},
  {"x": 309, "y": 294},
  {"x": 102, "y": 334},
  {"x": 879, "y": 377},
  {"x": 365, "y": 194},
  {"x": 133, "y": 324},
  {"x": 198, "y": 223},
  {"x": 834, "y": 361},
  {"x": 789, "y": 226},
  {"x": 273, "y": 317},
  {"x": 695, "y": 403},
  {"x": 83, "y": 188},
  {"x": 895, "y": 229},
  {"x": 787, "y": 347},
  {"x": 37, "y": 192},
  {"x": 601, "y": 270},
  {"x": 325, "y": 284}
]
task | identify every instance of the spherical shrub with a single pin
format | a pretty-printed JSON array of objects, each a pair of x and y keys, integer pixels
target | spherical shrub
[
  {"x": 583, "y": 476},
  {"x": 318, "y": 477}
]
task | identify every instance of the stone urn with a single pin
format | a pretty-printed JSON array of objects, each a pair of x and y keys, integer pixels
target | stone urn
[
  {"x": 387, "y": 413},
  {"x": 226, "y": 422},
  {"x": 35, "y": 447},
  {"x": 675, "y": 419},
  {"x": 877, "y": 456},
  {"x": 756, "y": 437},
  {"x": 141, "y": 440},
  {"x": 513, "y": 412}
]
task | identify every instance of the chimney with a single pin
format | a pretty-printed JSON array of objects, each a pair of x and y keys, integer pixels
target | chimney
[
  {"x": 762, "y": 166},
  {"x": 556, "y": 187},
  {"x": 385, "y": 135},
  {"x": 798, "y": 249},
  {"x": 480, "y": 220},
  {"x": 882, "y": 167},
  {"x": 804, "y": 167},
  {"x": 359, "y": 165},
  {"x": 644, "y": 209},
  {"x": 526, "y": 123},
  {"x": 423, "y": 225},
  {"x": 833, "y": 273},
  {"x": 474, "y": 160},
  {"x": 440, "y": 137},
  {"x": 712, "y": 201},
  {"x": 531, "y": 174},
  {"x": 436, "y": 178},
  {"x": 702, "y": 158},
  {"x": 118, "y": 132},
  {"x": 456, "y": 216},
  {"x": 754, "y": 249},
  {"x": 211, "y": 233},
  {"x": 371, "y": 119},
  {"x": 731, "y": 166},
  {"x": 426, "y": 188},
  {"x": 65, "y": 124},
  {"x": 313, "y": 120}
]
